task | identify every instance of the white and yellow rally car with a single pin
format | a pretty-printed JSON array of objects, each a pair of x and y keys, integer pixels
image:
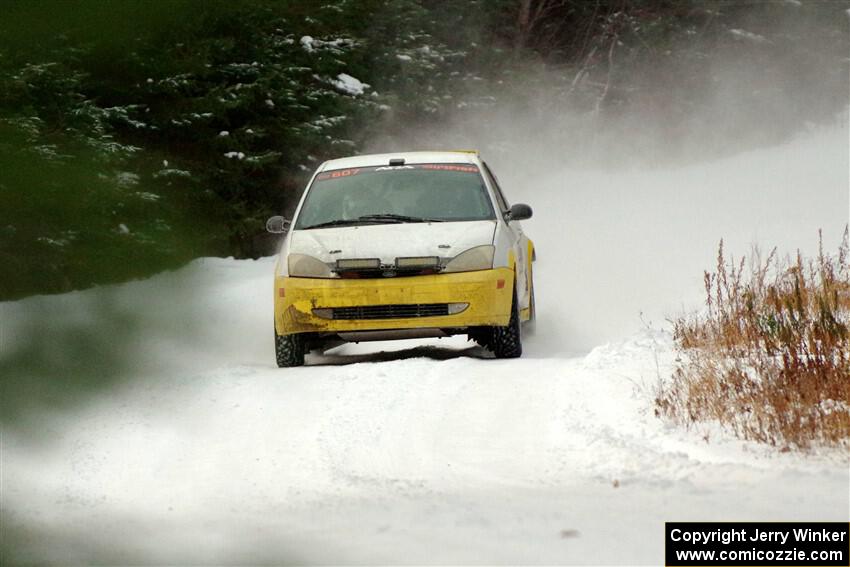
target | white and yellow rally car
[{"x": 407, "y": 245}]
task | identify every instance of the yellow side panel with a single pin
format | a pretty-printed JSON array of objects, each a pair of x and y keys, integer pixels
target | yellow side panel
[{"x": 525, "y": 314}]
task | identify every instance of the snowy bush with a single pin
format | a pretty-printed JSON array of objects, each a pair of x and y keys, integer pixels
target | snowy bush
[{"x": 770, "y": 357}]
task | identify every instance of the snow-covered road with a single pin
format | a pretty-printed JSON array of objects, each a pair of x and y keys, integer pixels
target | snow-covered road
[
  {"x": 146, "y": 423},
  {"x": 206, "y": 453}
]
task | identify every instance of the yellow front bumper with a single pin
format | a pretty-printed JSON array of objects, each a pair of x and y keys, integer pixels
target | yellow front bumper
[{"x": 488, "y": 292}]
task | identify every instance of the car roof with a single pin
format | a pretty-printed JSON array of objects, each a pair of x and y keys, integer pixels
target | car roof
[{"x": 456, "y": 156}]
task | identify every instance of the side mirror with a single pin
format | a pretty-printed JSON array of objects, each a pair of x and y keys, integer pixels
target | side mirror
[
  {"x": 277, "y": 225},
  {"x": 519, "y": 211}
]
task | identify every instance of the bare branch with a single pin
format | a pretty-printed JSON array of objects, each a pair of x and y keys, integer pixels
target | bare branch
[{"x": 604, "y": 94}]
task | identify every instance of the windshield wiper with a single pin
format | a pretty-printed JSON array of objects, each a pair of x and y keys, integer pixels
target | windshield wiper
[
  {"x": 337, "y": 222},
  {"x": 372, "y": 219},
  {"x": 398, "y": 218}
]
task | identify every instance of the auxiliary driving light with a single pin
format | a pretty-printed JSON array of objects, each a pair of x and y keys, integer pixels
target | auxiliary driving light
[
  {"x": 358, "y": 264},
  {"x": 419, "y": 262}
]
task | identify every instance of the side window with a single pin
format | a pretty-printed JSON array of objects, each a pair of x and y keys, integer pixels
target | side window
[{"x": 500, "y": 198}]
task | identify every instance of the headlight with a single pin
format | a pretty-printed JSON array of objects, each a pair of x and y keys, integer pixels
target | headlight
[
  {"x": 304, "y": 266},
  {"x": 478, "y": 258}
]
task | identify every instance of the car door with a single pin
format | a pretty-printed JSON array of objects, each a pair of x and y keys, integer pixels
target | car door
[{"x": 518, "y": 241}]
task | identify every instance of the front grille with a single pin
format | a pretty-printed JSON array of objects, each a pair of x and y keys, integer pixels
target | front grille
[{"x": 390, "y": 311}]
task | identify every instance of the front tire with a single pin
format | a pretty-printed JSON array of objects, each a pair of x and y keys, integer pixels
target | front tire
[
  {"x": 506, "y": 342},
  {"x": 289, "y": 350}
]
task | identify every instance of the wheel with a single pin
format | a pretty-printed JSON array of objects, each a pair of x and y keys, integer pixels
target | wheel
[
  {"x": 506, "y": 342},
  {"x": 289, "y": 350}
]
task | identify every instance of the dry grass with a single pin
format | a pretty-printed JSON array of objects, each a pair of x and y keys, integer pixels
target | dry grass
[{"x": 770, "y": 357}]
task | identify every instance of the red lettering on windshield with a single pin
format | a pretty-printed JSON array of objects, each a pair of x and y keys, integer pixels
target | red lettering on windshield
[
  {"x": 342, "y": 173},
  {"x": 451, "y": 167},
  {"x": 336, "y": 174}
]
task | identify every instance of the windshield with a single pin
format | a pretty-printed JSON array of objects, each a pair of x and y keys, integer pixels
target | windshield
[{"x": 405, "y": 193}]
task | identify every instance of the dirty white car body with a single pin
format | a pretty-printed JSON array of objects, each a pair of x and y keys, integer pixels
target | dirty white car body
[{"x": 457, "y": 261}]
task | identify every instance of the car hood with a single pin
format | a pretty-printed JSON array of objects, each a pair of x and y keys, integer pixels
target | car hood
[{"x": 391, "y": 241}]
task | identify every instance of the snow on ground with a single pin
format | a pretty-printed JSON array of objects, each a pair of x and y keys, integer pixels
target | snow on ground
[
  {"x": 435, "y": 453},
  {"x": 617, "y": 245},
  {"x": 350, "y": 85},
  {"x": 199, "y": 450}
]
